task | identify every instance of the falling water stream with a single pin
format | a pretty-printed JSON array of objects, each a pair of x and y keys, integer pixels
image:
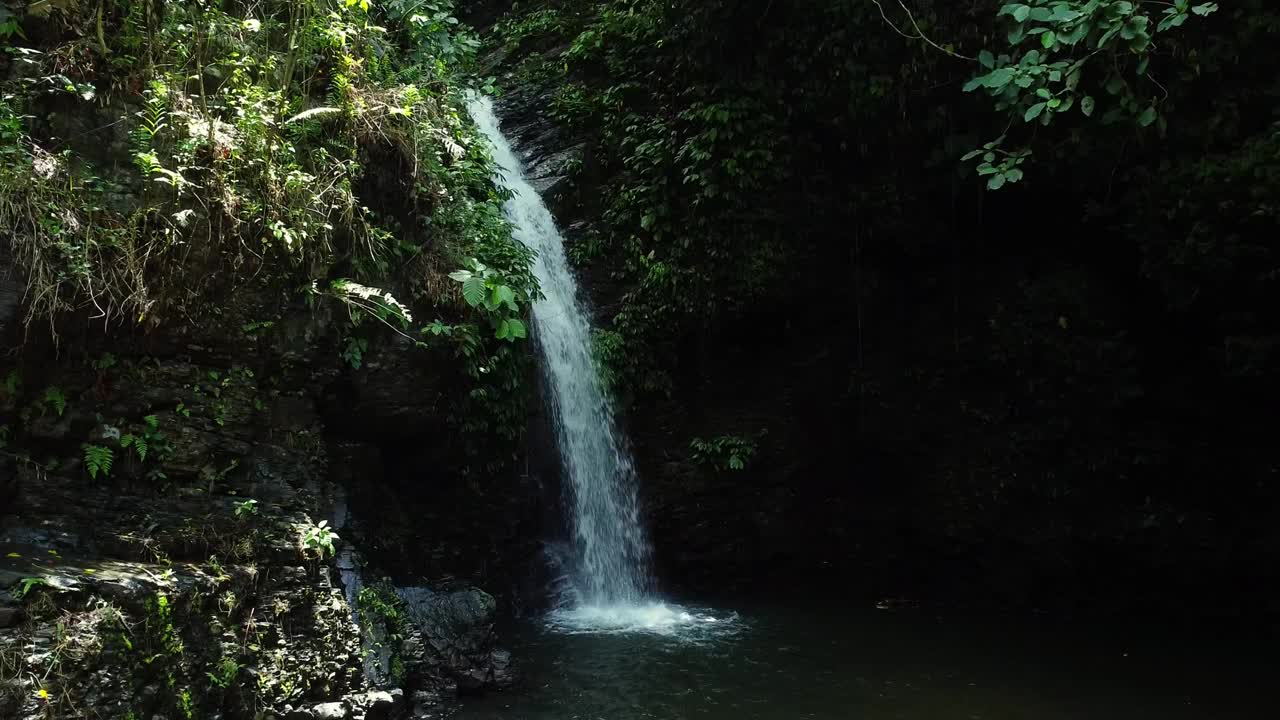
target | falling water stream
[{"x": 608, "y": 584}]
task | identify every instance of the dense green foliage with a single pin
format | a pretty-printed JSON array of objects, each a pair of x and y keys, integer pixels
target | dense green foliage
[
  {"x": 176, "y": 167},
  {"x": 783, "y": 198}
]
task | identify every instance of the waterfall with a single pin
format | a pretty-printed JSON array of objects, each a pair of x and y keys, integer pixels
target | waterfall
[{"x": 608, "y": 563}]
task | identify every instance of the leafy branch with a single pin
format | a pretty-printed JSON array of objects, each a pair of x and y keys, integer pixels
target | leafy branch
[
  {"x": 485, "y": 289},
  {"x": 1052, "y": 45}
]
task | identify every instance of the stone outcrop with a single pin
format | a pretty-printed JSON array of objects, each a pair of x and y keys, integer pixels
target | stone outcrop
[{"x": 453, "y": 638}]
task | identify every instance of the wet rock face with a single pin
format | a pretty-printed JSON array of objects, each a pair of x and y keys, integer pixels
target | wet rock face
[
  {"x": 560, "y": 167},
  {"x": 453, "y": 638}
]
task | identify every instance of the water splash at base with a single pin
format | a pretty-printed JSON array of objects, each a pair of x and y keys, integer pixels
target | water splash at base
[{"x": 655, "y": 618}]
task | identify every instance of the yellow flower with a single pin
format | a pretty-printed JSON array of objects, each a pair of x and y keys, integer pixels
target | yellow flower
[{"x": 43, "y": 694}]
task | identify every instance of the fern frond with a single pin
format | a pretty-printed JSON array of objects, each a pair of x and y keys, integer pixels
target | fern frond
[
  {"x": 98, "y": 459},
  {"x": 313, "y": 112}
]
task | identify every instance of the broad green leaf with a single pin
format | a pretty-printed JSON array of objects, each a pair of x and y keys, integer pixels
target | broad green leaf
[
  {"x": 517, "y": 328},
  {"x": 998, "y": 78},
  {"x": 1021, "y": 13},
  {"x": 986, "y": 59},
  {"x": 996, "y": 182},
  {"x": 1048, "y": 39},
  {"x": 473, "y": 291},
  {"x": 1034, "y": 111},
  {"x": 504, "y": 296},
  {"x": 1086, "y": 106},
  {"x": 1147, "y": 117},
  {"x": 460, "y": 275}
]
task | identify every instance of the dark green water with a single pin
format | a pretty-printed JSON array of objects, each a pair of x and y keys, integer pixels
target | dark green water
[{"x": 872, "y": 665}]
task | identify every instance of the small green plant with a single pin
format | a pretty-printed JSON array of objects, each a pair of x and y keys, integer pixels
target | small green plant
[
  {"x": 484, "y": 288},
  {"x": 225, "y": 673},
  {"x": 317, "y": 538},
  {"x": 55, "y": 399},
  {"x": 252, "y": 328},
  {"x": 163, "y": 637},
  {"x": 383, "y": 620},
  {"x": 246, "y": 508},
  {"x": 25, "y": 585},
  {"x": 379, "y": 602},
  {"x": 726, "y": 452},
  {"x": 186, "y": 704},
  {"x": 353, "y": 352},
  {"x": 9, "y": 25},
  {"x": 216, "y": 570},
  {"x": 97, "y": 459},
  {"x": 149, "y": 436}
]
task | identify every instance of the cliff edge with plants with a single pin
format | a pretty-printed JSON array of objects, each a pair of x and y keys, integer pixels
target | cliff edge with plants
[{"x": 257, "y": 301}]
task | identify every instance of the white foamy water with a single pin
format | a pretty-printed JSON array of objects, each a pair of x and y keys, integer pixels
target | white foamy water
[
  {"x": 653, "y": 617},
  {"x": 607, "y": 567}
]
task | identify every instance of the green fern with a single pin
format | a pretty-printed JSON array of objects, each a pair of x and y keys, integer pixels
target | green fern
[
  {"x": 138, "y": 443},
  {"x": 98, "y": 459},
  {"x": 145, "y": 439},
  {"x": 56, "y": 399},
  {"x": 154, "y": 115}
]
